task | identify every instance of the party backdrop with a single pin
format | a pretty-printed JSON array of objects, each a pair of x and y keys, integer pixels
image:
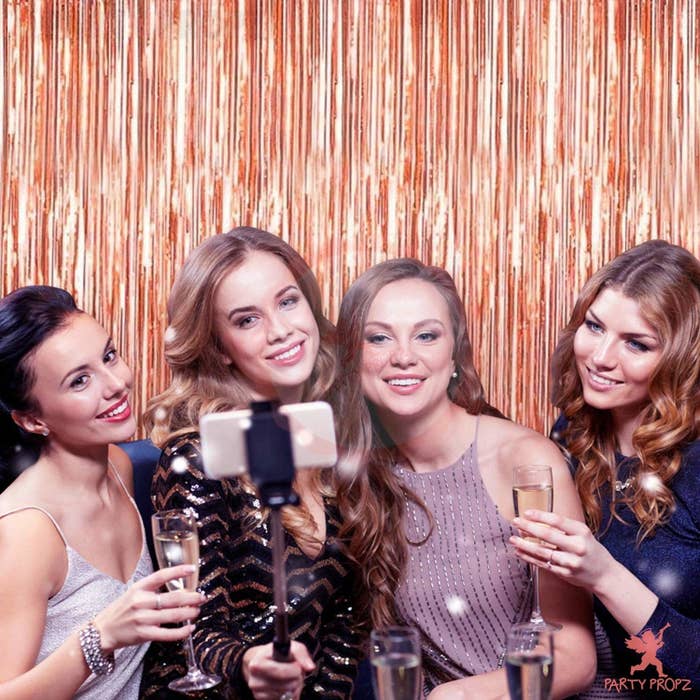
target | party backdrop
[{"x": 518, "y": 143}]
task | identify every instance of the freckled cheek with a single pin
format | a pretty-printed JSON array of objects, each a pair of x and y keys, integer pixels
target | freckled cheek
[
  {"x": 233, "y": 346},
  {"x": 373, "y": 362}
]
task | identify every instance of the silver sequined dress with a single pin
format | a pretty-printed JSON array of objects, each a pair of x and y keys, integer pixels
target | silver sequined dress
[
  {"x": 85, "y": 592},
  {"x": 463, "y": 588}
]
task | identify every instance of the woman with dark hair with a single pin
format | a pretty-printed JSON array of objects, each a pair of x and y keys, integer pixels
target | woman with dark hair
[
  {"x": 78, "y": 599},
  {"x": 626, "y": 377},
  {"x": 246, "y": 323},
  {"x": 428, "y": 492}
]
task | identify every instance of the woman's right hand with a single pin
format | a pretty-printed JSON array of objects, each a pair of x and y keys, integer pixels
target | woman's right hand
[
  {"x": 269, "y": 679},
  {"x": 564, "y": 546},
  {"x": 137, "y": 615}
]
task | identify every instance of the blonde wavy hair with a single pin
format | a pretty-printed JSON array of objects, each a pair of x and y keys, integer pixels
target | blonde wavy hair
[
  {"x": 664, "y": 280},
  {"x": 201, "y": 381},
  {"x": 370, "y": 496}
]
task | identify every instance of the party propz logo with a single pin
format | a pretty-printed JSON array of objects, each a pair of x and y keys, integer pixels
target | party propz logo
[{"x": 648, "y": 644}]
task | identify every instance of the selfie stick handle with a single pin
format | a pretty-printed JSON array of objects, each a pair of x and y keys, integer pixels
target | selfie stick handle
[
  {"x": 271, "y": 467},
  {"x": 280, "y": 643}
]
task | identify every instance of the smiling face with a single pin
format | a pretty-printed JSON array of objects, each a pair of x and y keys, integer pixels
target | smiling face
[
  {"x": 407, "y": 351},
  {"x": 81, "y": 387},
  {"x": 265, "y": 327},
  {"x": 616, "y": 354}
]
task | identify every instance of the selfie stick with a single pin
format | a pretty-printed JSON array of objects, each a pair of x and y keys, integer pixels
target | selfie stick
[{"x": 271, "y": 467}]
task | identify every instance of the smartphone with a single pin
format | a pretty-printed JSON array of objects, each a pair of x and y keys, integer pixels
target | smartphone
[{"x": 224, "y": 446}]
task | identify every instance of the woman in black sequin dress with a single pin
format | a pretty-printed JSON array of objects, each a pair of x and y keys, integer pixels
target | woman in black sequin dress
[{"x": 246, "y": 323}]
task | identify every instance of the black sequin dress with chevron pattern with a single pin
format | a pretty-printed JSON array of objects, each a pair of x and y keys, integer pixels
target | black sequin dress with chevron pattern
[{"x": 236, "y": 575}]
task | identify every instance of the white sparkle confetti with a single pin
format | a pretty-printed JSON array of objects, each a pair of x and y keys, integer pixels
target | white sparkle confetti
[
  {"x": 667, "y": 582},
  {"x": 456, "y": 605},
  {"x": 169, "y": 335},
  {"x": 179, "y": 465},
  {"x": 651, "y": 483},
  {"x": 348, "y": 467},
  {"x": 304, "y": 438}
]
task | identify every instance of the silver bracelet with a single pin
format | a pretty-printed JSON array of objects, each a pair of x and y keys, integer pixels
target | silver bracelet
[{"x": 99, "y": 663}]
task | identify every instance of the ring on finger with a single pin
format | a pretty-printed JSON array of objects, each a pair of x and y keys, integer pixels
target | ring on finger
[
  {"x": 158, "y": 605},
  {"x": 549, "y": 561},
  {"x": 287, "y": 695}
]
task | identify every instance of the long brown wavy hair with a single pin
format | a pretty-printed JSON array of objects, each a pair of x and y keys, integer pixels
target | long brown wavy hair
[
  {"x": 201, "y": 381},
  {"x": 370, "y": 495},
  {"x": 664, "y": 280}
]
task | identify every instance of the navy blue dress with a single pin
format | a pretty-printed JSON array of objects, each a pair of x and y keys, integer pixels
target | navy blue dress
[{"x": 669, "y": 564}]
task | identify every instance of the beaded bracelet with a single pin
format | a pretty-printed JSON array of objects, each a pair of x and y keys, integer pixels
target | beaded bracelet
[{"x": 95, "y": 658}]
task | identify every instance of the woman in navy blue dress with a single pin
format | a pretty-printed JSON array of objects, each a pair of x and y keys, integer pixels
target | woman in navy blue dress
[{"x": 626, "y": 377}]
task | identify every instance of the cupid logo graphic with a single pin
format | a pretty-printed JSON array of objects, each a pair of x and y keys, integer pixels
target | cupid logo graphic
[{"x": 648, "y": 644}]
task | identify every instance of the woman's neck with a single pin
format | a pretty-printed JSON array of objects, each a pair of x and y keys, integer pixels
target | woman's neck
[
  {"x": 624, "y": 426},
  {"x": 433, "y": 441},
  {"x": 86, "y": 470}
]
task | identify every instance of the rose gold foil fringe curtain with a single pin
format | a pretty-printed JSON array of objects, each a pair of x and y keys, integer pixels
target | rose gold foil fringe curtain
[{"x": 520, "y": 144}]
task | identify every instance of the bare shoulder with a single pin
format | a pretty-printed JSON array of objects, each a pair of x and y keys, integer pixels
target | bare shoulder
[
  {"x": 120, "y": 459},
  {"x": 513, "y": 444},
  {"x": 28, "y": 489},
  {"x": 32, "y": 549}
]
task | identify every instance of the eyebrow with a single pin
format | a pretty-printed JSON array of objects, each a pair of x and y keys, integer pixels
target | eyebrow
[
  {"x": 424, "y": 322},
  {"x": 247, "y": 309},
  {"x": 624, "y": 335},
  {"x": 80, "y": 368}
]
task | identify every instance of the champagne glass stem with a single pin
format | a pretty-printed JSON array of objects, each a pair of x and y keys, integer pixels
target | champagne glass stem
[
  {"x": 192, "y": 666},
  {"x": 536, "y": 614}
]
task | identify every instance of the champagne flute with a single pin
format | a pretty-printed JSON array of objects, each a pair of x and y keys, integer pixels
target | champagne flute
[
  {"x": 530, "y": 662},
  {"x": 396, "y": 666},
  {"x": 176, "y": 542},
  {"x": 532, "y": 488}
]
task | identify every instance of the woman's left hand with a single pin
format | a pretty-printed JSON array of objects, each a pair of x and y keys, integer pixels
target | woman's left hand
[{"x": 563, "y": 546}]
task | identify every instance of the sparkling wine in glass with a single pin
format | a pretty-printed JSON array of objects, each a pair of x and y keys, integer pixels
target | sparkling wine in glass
[
  {"x": 176, "y": 542},
  {"x": 530, "y": 662},
  {"x": 532, "y": 488},
  {"x": 396, "y": 663}
]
